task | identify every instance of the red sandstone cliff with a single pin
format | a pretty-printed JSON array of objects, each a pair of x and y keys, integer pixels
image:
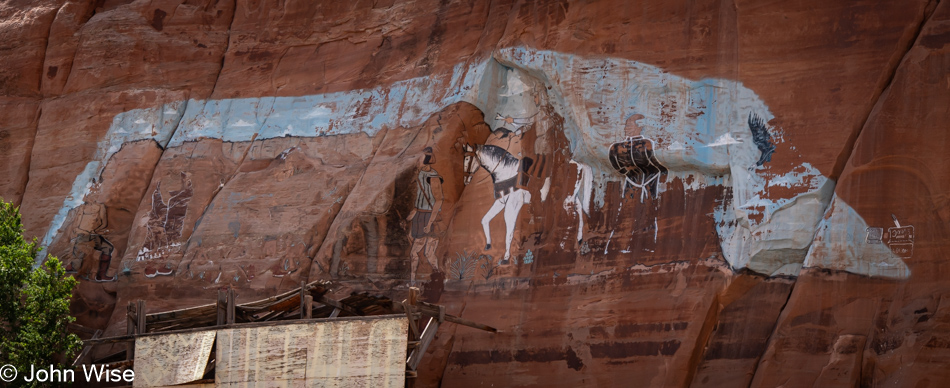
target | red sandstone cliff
[{"x": 783, "y": 222}]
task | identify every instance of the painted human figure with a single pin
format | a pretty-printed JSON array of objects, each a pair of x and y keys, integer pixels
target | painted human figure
[
  {"x": 105, "y": 249},
  {"x": 90, "y": 230},
  {"x": 166, "y": 218},
  {"x": 425, "y": 214}
]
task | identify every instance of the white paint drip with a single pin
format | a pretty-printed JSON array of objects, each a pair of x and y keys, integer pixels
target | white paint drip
[
  {"x": 546, "y": 188},
  {"x": 608, "y": 241},
  {"x": 656, "y": 230},
  {"x": 709, "y": 113}
]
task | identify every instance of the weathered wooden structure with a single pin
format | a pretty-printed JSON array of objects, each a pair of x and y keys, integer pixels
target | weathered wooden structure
[{"x": 185, "y": 340}]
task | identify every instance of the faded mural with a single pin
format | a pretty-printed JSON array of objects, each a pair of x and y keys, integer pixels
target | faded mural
[
  {"x": 424, "y": 229},
  {"x": 91, "y": 231},
  {"x": 649, "y": 133}
]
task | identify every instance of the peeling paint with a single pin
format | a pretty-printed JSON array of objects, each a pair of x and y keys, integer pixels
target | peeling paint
[{"x": 703, "y": 131}]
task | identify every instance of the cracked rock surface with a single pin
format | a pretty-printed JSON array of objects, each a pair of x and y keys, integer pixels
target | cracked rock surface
[{"x": 673, "y": 193}]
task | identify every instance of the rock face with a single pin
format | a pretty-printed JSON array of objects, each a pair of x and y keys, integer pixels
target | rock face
[{"x": 709, "y": 194}]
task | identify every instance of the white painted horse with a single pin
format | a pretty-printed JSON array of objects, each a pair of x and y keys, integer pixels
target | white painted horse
[{"x": 503, "y": 168}]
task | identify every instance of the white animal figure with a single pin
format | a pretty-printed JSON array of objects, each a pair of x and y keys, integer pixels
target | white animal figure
[
  {"x": 580, "y": 199},
  {"x": 503, "y": 168}
]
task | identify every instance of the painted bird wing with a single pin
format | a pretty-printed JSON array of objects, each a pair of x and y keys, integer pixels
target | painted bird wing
[{"x": 761, "y": 138}]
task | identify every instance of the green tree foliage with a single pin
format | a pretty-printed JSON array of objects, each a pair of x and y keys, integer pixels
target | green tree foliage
[{"x": 34, "y": 304}]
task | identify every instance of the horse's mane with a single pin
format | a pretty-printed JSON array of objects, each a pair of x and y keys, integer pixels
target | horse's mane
[
  {"x": 494, "y": 158},
  {"x": 500, "y": 156}
]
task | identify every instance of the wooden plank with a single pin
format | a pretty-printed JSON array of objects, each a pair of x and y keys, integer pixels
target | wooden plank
[
  {"x": 428, "y": 334},
  {"x": 307, "y": 307},
  {"x": 130, "y": 318},
  {"x": 413, "y": 321},
  {"x": 434, "y": 312},
  {"x": 335, "y": 313},
  {"x": 314, "y": 354},
  {"x": 231, "y": 305},
  {"x": 112, "y": 356},
  {"x": 130, "y": 329},
  {"x": 337, "y": 304},
  {"x": 121, "y": 364},
  {"x": 77, "y": 328},
  {"x": 86, "y": 349},
  {"x": 270, "y": 316},
  {"x": 140, "y": 317},
  {"x": 222, "y": 307},
  {"x": 303, "y": 294},
  {"x": 316, "y": 288},
  {"x": 413, "y": 326},
  {"x": 285, "y": 304},
  {"x": 198, "y": 311},
  {"x": 185, "y": 322},
  {"x": 126, "y": 338},
  {"x": 413, "y": 295}
]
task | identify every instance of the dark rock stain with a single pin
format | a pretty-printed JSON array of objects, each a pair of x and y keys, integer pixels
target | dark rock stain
[
  {"x": 545, "y": 355},
  {"x": 935, "y": 41},
  {"x": 938, "y": 343},
  {"x": 735, "y": 350},
  {"x": 849, "y": 348},
  {"x": 627, "y": 330},
  {"x": 432, "y": 290},
  {"x": 820, "y": 318},
  {"x": 158, "y": 19},
  {"x": 885, "y": 344},
  {"x": 632, "y": 349}
]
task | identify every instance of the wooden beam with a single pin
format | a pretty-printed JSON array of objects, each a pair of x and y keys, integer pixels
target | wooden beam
[
  {"x": 307, "y": 307},
  {"x": 81, "y": 329},
  {"x": 130, "y": 318},
  {"x": 209, "y": 320},
  {"x": 120, "y": 354},
  {"x": 413, "y": 326},
  {"x": 303, "y": 294},
  {"x": 413, "y": 295},
  {"x": 428, "y": 334},
  {"x": 86, "y": 349},
  {"x": 270, "y": 316},
  {"x": 316, "y": 288},
  {"x": 222, "y": 307},
  {"x": 127, "y": 338},
  {"x": 428, "y": 309},
  {"x": 433, "y": 310},
  {"x": 337, "y": 304},
  {"x": 231, "y": 305},
  {"x": 140, "y": 317},
  {"x": 128, "y": 364}
]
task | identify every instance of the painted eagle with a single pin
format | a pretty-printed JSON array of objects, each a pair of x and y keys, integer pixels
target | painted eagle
[{"x": 761, "y": 138}]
